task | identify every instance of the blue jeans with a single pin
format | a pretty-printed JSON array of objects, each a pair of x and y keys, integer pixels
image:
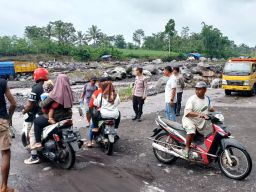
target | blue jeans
[
  {"x": 170, "y": 112},
  {"x": 90, "y": 133}
]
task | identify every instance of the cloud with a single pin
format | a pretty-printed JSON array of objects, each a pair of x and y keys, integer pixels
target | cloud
[{"x": 235, "y": 18}]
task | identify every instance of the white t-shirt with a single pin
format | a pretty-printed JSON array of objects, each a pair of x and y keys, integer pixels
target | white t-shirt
[
  {"x": 107, "y": 110},
  {"x": 170, "y": 85},
  {"x": 195, "y": 104}
]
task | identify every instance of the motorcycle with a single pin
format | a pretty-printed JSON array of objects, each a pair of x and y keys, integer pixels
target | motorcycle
[
  {"x": 60, "y": 142},
  {"x": 218, "y": 146},
  {"x": 107, "y": 135}
]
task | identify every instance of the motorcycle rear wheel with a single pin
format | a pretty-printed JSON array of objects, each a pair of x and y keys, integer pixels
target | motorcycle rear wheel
[
  {"x": 228, "y": 170},
  {"x": 161, "y": 156},
  {"x": 70, "y": 157}
]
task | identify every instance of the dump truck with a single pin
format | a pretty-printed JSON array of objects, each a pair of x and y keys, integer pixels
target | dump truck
[{"x": 239, "y": 75}]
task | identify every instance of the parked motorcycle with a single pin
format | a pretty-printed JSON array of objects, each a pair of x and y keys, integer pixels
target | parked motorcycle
[
  {"x": 219, "y": 146},
  {"x": 60, "y": 142},
  {"x": 107, "y": 135}
]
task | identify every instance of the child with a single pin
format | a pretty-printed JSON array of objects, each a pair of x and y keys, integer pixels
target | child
[{"x": 48, "y": 87}]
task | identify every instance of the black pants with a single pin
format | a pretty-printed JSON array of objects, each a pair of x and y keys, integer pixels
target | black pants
[
  {"x": 178, "y": 104},
  {"x": 138, "y": 103},
  {"x": 39, "y": 124}
]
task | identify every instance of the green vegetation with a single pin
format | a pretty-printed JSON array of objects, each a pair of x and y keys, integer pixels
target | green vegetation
[
  {"x": 61, "y": 39},
  {"x": 125, "y": 94}
]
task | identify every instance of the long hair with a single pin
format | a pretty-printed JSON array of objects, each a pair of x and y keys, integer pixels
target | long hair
[{"x": 108, "y": 92}]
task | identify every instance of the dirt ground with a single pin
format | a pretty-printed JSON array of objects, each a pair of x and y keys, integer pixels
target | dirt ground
[{"x": 133, "y": 166}]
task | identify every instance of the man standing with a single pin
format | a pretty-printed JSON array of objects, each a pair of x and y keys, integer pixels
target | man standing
[
  {"x": 5, "y": 139},
  {"x": 170, "y": 94},
  {"x": 86, "y": 96},
  {"x": 195, "y": 114},
  {"x": 139, "y": 93},
  {"x": 179, "y": 90}
]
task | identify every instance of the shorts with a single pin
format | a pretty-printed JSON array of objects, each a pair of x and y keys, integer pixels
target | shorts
[
  {"x": 192, "y": 129},
  {"x": 5, "y": 137},
  {"x": 86, "y": 107}
]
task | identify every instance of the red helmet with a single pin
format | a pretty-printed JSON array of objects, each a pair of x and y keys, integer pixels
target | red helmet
[{"x": 41, "y": 74}]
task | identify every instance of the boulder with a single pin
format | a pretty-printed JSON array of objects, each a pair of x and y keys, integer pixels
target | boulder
[
  {"x": 151, "y": 68},
  {"x": 216, "y": 83},
  {"x": 160, "y": 85},
  {"x": 157, "y": 61},
  {"x": 147, "y": 73},
  {"x": 198, "y": 78}
]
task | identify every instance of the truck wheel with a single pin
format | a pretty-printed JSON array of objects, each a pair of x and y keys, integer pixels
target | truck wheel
[
  {"x": 227, "y": 92},
  {"x": 253, "y": 91}
]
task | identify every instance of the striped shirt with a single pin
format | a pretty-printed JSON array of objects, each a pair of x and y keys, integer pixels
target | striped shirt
[{"x": 140, "y": 87}]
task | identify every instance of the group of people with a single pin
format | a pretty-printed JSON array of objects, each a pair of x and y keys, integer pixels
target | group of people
[
  {"x": 49, "y": 103},
  {"x": 101, "y": 102}
]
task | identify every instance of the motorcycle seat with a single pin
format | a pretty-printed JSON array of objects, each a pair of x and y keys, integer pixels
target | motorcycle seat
[{"x": 173, "y": 124}]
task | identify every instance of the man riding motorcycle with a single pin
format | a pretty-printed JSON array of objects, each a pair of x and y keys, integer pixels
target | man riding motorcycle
[
  {"x": 32, "y": 108},
  {"x": 195, "y": 115}
]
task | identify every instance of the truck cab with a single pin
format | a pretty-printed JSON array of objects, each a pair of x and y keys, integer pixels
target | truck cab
[{"x": 239, "y": 75}]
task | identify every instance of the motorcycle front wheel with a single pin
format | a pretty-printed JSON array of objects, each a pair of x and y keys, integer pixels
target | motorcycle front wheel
[
  {"x": 67, "y": 157},
  {"x": 108, "y": 148},
  {"x": 241, "y": 165},
  {"x": 160, "y": 155}
]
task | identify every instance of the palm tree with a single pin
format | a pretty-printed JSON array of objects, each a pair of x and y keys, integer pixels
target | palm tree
[
  {"x": 93, "y": 34},
  {"x": 80, "y": 38}
]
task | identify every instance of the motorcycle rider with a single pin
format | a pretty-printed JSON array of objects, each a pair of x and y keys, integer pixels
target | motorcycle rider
[
  {"x": 107, "y": 103},
  {"x": 61, "y": 101},
  {"x": 32, "y": 108},
  {"x": 195, "y": 114}
]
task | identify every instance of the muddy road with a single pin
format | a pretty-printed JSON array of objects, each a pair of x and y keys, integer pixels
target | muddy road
[{"x": 133, "y": 166}]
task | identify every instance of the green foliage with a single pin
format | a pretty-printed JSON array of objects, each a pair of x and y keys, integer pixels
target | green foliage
[
  {"x": 138, "y": 36},
  {"x": 58, "y": 39},
  {"x": 120, "y": 42},
  {"x": 125, "y": 93}
]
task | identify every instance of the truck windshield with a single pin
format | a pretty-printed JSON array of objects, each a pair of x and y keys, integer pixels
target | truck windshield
[{"x": 237, "y": 68}]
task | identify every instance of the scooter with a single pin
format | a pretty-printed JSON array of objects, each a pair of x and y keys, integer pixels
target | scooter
[
  {"x": 107, "y": 135},
  {"x": 60, "y": 142},
  {"x": 219, "y": 146}
]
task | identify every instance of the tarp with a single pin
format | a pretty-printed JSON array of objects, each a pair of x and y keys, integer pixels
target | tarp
[
  {"x": 195, "y": 55},
  {"x": 106, "y": 56}
]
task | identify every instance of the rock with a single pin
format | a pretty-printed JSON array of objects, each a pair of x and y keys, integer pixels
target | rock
[
  {"x": 47, "y": 169},
  {"x": 203, "y": 59},
  {"x": 147, "y": 73},
  {"x": 187, "y": 74},
  {"x": 157, "y": 61},
  {"x": 133, "y": 61},
  {"x": 196, "y": 70},
  {"x": 151, "y": 68},
  {"x": 198, "y": 78},
  {"x": 160, "y": 85},
  {"x": 216, "y": 83}
]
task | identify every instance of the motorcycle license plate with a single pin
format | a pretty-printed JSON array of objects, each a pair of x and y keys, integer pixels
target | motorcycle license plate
[{"x": 75, "y": 146}]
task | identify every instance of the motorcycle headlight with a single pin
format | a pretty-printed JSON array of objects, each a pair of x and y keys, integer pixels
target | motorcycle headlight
[
  {"x": 224, "y": 82},
  {"x": 246, "y": 83},
  {"x": 220, "y": 117}
]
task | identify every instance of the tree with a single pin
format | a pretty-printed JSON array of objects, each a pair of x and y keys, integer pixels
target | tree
[
  {"x": 48, "y": 31},
  {"x": 185, "y": 32},
  {"x": 155, "y": 42},
  {"x": 80, "y": 38},
  {"x": 138, "y": 36},
  {"x": 63, "y": 32},
  {"x": 34, "y": 32},
  {"x": 120, "y": 41},
  {"x": 93, "y": 34},
  {"x": 170, "y": 31}
]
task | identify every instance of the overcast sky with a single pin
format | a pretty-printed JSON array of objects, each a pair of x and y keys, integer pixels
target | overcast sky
[{"x": 235, "y": 18}]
